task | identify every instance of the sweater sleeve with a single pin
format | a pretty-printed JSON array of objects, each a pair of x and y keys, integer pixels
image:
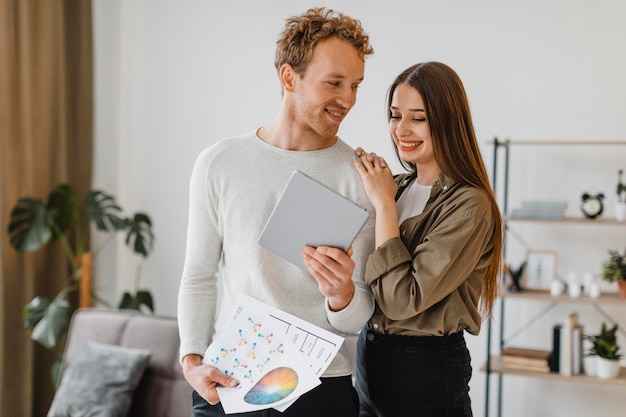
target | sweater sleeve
[
  {"x": 197, "y": 296},
  {"x": 352, "y": 318}
]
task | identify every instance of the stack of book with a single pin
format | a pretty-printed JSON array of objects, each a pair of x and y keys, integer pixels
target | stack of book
[
  {"x": 540, "y": 209},
  {"x": 526, "y": 359}
]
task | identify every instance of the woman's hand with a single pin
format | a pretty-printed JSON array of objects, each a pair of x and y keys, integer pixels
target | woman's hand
[
  {"x": 381, "y": 190},
  {"x": 377, "y": 179}
]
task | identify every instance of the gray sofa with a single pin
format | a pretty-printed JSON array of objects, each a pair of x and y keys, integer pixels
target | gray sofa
[{"x": 162, "y": 390}]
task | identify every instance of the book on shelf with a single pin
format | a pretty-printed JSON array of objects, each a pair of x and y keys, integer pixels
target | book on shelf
[
  {"x": 527, "y": 367},
  {"x": 541, "y": 209},
  {"x": 537, "y": 213},
  {"x": 577, "y": 349},
  {"x": 566, "y": 345},
  {"x": 556, "y": 349},
  {"x": 526, "y": 359},
  {"x": 523, "y": 352},
  {"x": 545, "y": 204}
]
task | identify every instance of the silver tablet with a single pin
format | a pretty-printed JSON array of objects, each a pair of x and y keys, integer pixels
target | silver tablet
[{"x": 309, "y": 213}]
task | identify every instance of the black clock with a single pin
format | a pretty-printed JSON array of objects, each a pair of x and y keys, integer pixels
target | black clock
[{"x": 592, "y": 205}]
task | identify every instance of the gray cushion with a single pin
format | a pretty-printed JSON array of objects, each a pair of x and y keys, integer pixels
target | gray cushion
[{"x": 100, "y": 381}]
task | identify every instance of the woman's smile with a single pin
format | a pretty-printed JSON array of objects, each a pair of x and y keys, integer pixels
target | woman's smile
[{"x": 408, "y": 146}]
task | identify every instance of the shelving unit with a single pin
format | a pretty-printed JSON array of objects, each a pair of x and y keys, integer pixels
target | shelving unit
[{"x": 494, "y": 363}]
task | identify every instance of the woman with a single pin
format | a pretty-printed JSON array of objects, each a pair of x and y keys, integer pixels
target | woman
[{"x": 438, "y": 251}]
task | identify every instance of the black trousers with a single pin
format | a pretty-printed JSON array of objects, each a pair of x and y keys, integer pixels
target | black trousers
[
  {"x": 334, "y": 397},
  {"x": 405, "y": 376}
]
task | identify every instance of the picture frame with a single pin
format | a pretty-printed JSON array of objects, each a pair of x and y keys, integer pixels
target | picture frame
[{"x": 541, "y": 267}]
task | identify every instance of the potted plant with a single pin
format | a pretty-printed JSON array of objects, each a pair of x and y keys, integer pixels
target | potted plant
[
  {"x": 606, "y": 350},
  {"x": 34, "y": 224},
  {"x": 620, "y": 206},
  {"x": 614, "y": 270},
  {"x": 590, "y": 358}
]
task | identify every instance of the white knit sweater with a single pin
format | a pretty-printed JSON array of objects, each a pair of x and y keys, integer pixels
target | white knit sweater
[{"x": 233, "y": 189}]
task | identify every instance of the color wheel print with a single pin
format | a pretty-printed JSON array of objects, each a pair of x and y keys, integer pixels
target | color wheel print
[{"x": 274, "y": 386}]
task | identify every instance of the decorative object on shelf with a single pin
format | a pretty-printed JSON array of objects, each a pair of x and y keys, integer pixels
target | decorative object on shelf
[
  {"x": 620, "y": 212},
  {"x": 515, "y": 276},
  {"x": 592, "y": 205},
  {"x": 620, "y": 206},
  {"x": 607, "y": 369},
  {"x": 614, "y": 270},
  {"x": 574, "y": 289},
  {"x": 556, "y": 287},
  {"x": 33, "y": 224},
  {"x": 591, "y": 287},
  {"x": 590, "y": 365},
  {"x": 594, "y": 290},
  {"x": 540, "y": 268},
  {"x": 606, "y": 350}
]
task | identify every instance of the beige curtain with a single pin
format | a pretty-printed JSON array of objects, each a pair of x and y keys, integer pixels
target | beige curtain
[{"x": 46, "y": 135}]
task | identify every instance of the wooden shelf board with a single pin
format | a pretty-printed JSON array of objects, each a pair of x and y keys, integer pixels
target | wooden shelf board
[
  {"x": 567, "y": 220},
  {"x": 498, "y": 367},
  {"x": 545, "y": 296},
  {"x": 551, "y": 142}
]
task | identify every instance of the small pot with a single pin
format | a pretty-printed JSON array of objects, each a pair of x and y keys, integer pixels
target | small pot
[
  {"x": 620, "y": 212},
  {"x": 606, "y": 368},
  {"x": 621, "y": 288},
  {"x": 590, "y": 365}
]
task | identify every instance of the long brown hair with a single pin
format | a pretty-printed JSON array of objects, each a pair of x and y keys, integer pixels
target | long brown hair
[{"x": 455, "y": 147}]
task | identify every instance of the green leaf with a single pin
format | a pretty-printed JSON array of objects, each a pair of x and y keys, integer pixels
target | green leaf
[
  {"x": 145, "y": 298},
  {"x": 614, "y": 268},
  {"x": 605, "y": 343},
  {"x": 140, "y": 234},
  {"x": 130, "y": 302},
  {"x": 102, "y": 209},
  {"x": 63, "y": 206},
  {"x": 29, "y": 227},
  {"x": 54, "y": 324},
  {"x": 55, "y": 370},
  {"x": 127, "y": 302},
  {"x": 34, "y": 311}
]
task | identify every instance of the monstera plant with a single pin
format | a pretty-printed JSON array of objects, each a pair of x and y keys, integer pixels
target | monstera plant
[{"x": 65, "y": 219}]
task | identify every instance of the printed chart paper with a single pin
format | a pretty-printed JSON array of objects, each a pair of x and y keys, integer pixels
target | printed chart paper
[{"x": 276, "y": 357}]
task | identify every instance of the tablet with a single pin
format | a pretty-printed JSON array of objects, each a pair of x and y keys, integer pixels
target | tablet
[{"x": 309, "y": 213}]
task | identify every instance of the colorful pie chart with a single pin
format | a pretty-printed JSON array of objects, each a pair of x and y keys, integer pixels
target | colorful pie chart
[{"x": 274, "y": 386}]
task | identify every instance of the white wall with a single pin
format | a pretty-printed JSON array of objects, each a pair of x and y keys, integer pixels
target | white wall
[{"x": 174, "y": 76}]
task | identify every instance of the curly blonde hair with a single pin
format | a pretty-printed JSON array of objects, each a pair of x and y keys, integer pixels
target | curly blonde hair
[{"x": 302, "y": 34}]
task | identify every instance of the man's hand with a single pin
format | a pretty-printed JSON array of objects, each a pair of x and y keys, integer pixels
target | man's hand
[
  {"x": 205, "y": 378},
  {"x": 332, "y": 268}
]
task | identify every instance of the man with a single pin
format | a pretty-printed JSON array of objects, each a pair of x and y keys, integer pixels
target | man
[{"x": 320, "y": 59}]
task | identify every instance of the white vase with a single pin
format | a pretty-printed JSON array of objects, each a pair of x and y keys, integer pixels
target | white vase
[
  {"x": 594, "y": 290},
  {"x": 589, "y": 365},
  {"x": 606, "y": 368},
  {"x": 556, "y": 288},
  {"x": 620, "y": 212}
]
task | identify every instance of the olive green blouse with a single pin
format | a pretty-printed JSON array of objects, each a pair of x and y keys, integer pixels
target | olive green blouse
[{"x": 428, "y": 282}]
